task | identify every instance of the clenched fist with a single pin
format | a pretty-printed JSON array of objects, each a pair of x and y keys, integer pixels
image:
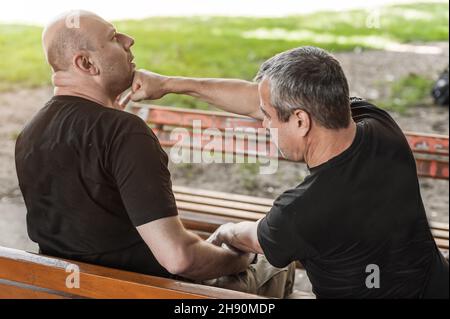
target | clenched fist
[{"x": 146, "y": 86}]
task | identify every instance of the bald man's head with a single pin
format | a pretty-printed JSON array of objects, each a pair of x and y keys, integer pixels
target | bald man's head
[
  {"x": 66, "y": 35},
  {"x": 90, "y": 51}
]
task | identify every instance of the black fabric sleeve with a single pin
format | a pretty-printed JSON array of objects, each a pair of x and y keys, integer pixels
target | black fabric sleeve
[
  {"x": 139, "y": 166},
  {"x": 284, "y": 233},
  {"x": 276, "y": 238}
]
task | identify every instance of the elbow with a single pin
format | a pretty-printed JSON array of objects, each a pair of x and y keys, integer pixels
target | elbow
[
  {"x": 178, "y": 268},
  {"x": 180, "y": 264}
]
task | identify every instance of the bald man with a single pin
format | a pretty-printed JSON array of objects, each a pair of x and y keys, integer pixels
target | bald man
[
  {"x": 95, "y": 179},
  {"x": 92, "y": 59}
]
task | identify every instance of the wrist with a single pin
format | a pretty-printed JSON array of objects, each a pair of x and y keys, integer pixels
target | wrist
[
  {"x": 182, "y": 85},
  {"x": 168, "y": 84}
]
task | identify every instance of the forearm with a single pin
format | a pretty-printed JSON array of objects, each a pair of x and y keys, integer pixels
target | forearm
[
  {"x": 209, "y": 261},
  {"x": 244, "y": 237},
  {"x": 235, "y": 96}
]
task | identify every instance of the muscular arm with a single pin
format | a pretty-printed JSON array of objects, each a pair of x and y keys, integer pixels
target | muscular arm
[
  {"x": 235, "y": 96},
  {"x": 185, "y": 254}
]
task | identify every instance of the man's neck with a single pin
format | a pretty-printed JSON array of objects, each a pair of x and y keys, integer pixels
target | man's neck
[
  {"x": 67, "y": 84},
  {"x": 87, "y": 94},
  {"x": 327, "y": 144}
]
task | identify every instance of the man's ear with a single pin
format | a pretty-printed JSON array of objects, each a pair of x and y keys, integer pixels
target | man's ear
[
  {"x": 303, "y": 121},
  {"x": 83, "y": 62}
]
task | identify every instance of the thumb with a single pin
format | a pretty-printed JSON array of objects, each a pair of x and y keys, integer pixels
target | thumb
[{"x": 138, "y": 95}]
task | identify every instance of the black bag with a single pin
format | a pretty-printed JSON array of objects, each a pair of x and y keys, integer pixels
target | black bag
[{"x": 440, "y": 89}]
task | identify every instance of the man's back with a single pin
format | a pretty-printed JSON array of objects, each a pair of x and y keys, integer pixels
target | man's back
[
  {"x": 357, "y": 215},
  {"x": 89, "y": 176}
]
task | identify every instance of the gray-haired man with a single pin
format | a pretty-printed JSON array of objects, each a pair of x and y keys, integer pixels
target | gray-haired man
[{"x": 357, "y": 222}]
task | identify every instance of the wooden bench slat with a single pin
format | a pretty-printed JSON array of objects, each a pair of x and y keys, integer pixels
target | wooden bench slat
[
  {"x": 204, "y": 223},
  {"x": 10, "y": 291},
  {"x": 92, "y": 286},
  {"x": 437, "y": 233},
  {"x": 222, "y": 203},
  {"x": 224, "y": 196},
  {"x": 213, "y": 220},
  {"x": 100, "y": 282},
  {"x": 438, "y": 225},
  {"x": 206, "y": 209},
  {"x": 442, "y": 243}
]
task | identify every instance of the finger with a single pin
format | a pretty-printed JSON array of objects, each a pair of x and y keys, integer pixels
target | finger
[
  {"x": 139, "y": 95},
  {"x": 124, "y": 101}
]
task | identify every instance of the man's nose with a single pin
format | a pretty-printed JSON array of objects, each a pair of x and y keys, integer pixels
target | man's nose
[{"x": 128, "y": 41}]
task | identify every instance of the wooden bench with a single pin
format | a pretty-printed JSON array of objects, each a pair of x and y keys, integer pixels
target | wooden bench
[
  {"x": 203, "y": 211},
  {"x": 26, "y": 275}
]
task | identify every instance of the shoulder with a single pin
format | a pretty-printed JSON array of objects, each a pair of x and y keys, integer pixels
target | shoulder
[
  {"x": 127, "y": 122},
  {"x": 365, "y": 111},
  {"x": 379, "y": 124},
  {"x": 118, "y": 127}
]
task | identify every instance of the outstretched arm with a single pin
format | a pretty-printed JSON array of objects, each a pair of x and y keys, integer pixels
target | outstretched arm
[{"x": 231, "y": 95}]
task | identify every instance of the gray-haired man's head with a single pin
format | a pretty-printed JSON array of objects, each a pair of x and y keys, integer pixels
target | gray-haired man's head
[{"x": 310, "y": 79}]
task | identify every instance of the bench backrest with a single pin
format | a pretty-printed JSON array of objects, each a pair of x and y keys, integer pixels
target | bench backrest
[
  {"x": 26, "y": 275},
  {"x": 430, "y": 150}
]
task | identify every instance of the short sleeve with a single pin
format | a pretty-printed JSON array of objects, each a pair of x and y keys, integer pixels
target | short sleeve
[
  {"x": 139, "y": 167},
  {"x": 284, "y": 233},
  {"x": 275, "y": 238}
]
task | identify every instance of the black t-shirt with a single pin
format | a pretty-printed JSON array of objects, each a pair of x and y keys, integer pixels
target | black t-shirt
[
  {"x": 359, "y": 209},
  {"x": 89, "y": 176}
]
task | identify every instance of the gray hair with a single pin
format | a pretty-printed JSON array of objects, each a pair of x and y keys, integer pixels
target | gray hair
[{"x": 310, "y": 79}]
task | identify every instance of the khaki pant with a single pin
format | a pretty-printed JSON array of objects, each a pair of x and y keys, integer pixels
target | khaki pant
[{"x": 260, "y": 278}]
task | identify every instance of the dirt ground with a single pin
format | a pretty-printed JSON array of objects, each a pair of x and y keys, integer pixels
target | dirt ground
[{"x": 366, "y": 71}]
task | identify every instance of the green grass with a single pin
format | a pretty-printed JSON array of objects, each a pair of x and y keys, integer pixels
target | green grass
[
  {"x": 411, "y": 90},
  {"x": 230, "y": 47},
  {"x": 21, "y": 57}
]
